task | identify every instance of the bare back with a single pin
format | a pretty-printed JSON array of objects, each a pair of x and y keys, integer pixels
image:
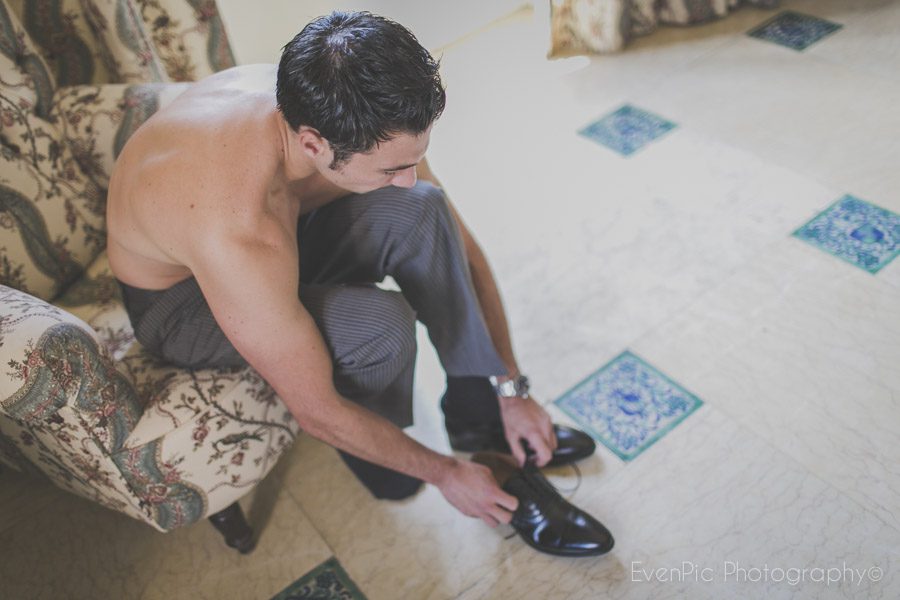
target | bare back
[{"x": 204, "y": 168}]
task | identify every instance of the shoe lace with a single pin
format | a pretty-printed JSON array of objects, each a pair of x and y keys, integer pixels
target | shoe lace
[
  {"x": 531, "y": 467},
  {"x": 541, "y": 486}
]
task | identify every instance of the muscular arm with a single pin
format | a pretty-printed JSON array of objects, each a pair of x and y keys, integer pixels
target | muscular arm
[{"x": 250, "y": 281}]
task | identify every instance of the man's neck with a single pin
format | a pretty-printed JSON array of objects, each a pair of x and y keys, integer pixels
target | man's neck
[{"x": 295, "y": 164}]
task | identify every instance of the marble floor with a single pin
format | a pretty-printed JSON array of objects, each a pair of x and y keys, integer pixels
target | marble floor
[{"x": 784, "y": 481}]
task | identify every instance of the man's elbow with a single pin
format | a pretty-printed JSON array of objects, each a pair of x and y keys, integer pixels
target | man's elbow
[{"x": 315, "y": 413}]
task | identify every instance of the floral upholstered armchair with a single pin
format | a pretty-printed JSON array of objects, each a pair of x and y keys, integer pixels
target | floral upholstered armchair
[
  {"x": 604, "y": 26},
  {"x": 80, "y": 401}
]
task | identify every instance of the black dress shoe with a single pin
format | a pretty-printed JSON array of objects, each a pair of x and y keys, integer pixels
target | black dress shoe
[
  {"x": 472, "y": 418},
  {"x": 544, "y": 519},
  {"x": 571, "y": 445}
]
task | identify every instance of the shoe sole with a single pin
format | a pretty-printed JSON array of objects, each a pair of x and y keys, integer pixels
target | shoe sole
[{"x": 570, "y": 554}]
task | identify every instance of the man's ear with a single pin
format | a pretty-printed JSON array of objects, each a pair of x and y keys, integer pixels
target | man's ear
[{"x": 312, "y": 142}]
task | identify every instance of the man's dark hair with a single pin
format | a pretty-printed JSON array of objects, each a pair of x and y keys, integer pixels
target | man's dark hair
[{"x": 359, "y": 80}]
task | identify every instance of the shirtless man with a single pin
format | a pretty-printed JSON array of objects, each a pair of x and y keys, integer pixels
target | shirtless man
[{"x": 247, "y": 226}]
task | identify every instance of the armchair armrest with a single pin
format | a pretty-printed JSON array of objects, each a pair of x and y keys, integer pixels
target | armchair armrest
[{"x": 53, "y": 361}]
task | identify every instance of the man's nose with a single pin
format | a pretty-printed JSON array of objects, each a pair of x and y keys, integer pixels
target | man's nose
[{"x": 405, "y": 178}]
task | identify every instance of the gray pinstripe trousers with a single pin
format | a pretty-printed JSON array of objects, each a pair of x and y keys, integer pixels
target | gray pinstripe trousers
[{"x": 345, "y": 247}]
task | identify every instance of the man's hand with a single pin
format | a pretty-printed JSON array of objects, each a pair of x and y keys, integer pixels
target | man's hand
[
  {"x": 526, "y": 420},
  {"x": 472, "y": 489}
]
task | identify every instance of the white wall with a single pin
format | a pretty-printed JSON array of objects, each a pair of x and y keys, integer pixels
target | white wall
[{"x": 258, "y": 30}]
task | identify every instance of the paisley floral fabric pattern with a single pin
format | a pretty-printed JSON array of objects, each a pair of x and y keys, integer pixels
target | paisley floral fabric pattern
[
  {"x": 604, "y": 26},
  {"x": 95, "y": 121},
  {"x": 81, "y": 402},
  {"x": 52, "y": 220},
  {"x": 95, "y": 299},
  {"x": 58, "y": 144},
  {"x": 161, "y": 444},
  {"x": 189, "y": 24},
  {"x": 51, "y": 214},
  {"x": 64, "y": 39},
  {"x": 27, "y": 83},
  {"x": 55, "y": 378},
  {"x": 127, "y": 41}
]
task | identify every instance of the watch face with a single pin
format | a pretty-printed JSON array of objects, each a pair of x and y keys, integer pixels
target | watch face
[
  {"x": 512, "y": 388},
  {"x": 508, "y": 388}
]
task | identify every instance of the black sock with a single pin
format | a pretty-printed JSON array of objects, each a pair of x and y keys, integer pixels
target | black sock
[
  {"x": 471, "y": 400},
  {"x": 384, "y": 483}
]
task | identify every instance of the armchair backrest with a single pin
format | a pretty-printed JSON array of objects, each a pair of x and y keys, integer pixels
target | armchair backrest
[
  {"x": 126, "y": 41},
  {"x": 58, "y": 144}
]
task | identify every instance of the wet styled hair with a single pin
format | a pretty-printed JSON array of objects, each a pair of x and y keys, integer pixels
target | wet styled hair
[{"x": 358, "y": 79}]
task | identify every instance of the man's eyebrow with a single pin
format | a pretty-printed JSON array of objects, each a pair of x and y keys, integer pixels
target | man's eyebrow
[{"x": 400, "y": 168}]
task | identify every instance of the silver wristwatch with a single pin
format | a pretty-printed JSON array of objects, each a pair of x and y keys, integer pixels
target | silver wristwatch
[{"x": 517, "y": 387}]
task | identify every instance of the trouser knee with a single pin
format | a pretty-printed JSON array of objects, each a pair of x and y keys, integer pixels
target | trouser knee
[
  {"x": 370, "y": 333},
  {"x": 408, "y": 216}
]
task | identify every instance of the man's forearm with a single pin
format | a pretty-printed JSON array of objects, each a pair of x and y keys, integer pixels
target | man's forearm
[
  {"x": 492, "y": 307},
  {"x": 358, "y": 431},
  {"x": 468, "y": 486}
]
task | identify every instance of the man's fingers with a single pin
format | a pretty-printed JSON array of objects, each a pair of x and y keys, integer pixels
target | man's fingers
[
  {"x": 543, "y": 452},
  {"x": 506, "y": 501},
  {"x": 518, "y": 452},
  {"x": 490, "y": 520},
  {"x": 500, "y": 515}
]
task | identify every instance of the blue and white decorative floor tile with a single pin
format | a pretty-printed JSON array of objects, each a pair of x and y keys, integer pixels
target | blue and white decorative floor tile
[
  {"x": 627, "y": 130},
  {"x": 794, "y": 30},
  {"x": 861, "y": 233},
  {"x": 627, "y": 405},
  {"x": 328, "y": 580}
]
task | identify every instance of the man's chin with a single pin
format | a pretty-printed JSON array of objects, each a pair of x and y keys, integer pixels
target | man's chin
[{"x": 369, "y": 188}]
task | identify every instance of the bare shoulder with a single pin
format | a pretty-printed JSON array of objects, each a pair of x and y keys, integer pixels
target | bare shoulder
[
  {"x": 217, "y": 134},
  {"x": 197, "y": 171}
]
